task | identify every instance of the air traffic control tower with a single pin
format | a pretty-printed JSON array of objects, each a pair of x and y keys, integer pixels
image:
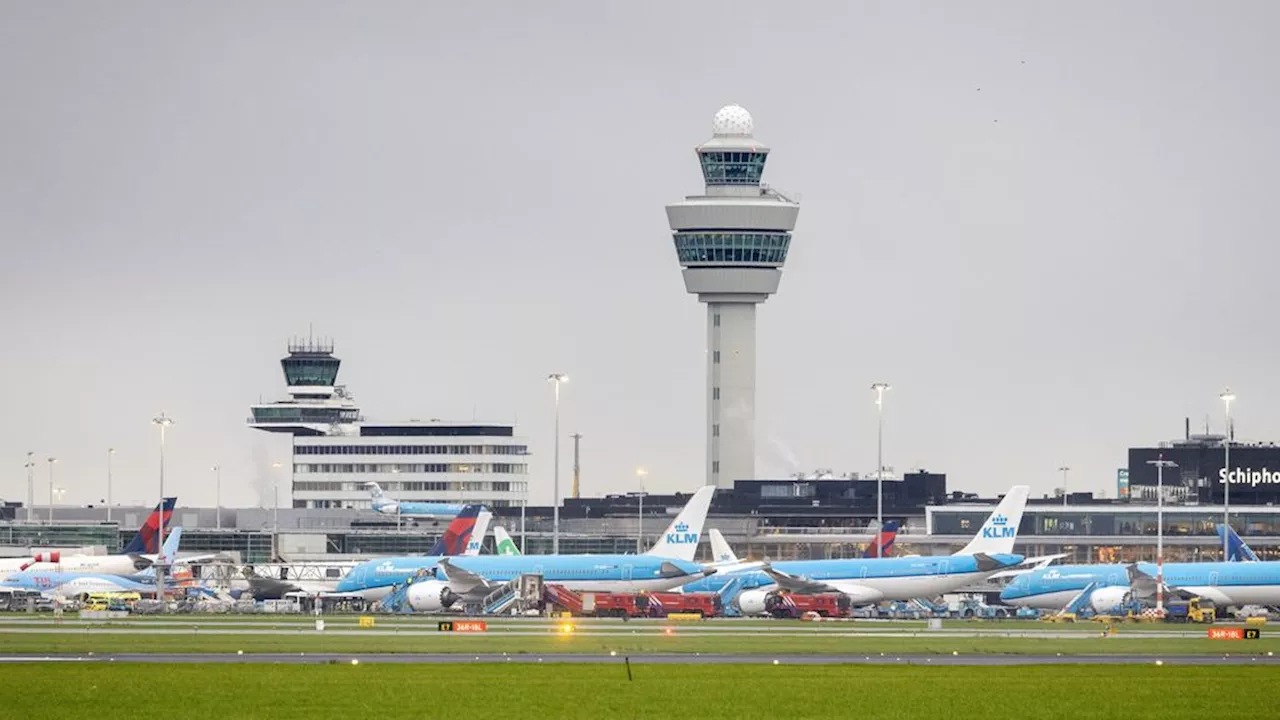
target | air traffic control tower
[{"x": 732, "y": 243}]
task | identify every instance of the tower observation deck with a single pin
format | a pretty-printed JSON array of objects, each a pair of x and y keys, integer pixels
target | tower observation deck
[{"x": 732, "y": 242}]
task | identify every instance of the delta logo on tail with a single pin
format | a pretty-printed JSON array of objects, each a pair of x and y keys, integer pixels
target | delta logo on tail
[
  {"x": 882, "y": 546},
  {"x": 458, "y": 535},
  {"x": 145, "y": 541}
]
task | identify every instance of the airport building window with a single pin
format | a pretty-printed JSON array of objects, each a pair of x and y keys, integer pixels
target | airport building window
[
  {"x": 304, "y": 449},
  {"x": 715, "y": 356},
  {"x": 732, "y": 167},
  {"x": 732, "y": 247},
  {"x": 500, "y": 468}
]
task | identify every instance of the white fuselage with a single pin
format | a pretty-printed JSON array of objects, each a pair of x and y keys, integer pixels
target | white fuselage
[{"x": 108, "y": 564}]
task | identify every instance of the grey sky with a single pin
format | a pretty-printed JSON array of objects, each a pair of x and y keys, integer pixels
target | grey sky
[{"x": 1050, "y": 225}]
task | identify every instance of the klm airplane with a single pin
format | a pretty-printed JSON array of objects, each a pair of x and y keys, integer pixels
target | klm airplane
[
  {"x": 870, "y": 580},
  {"x": 439, "y": 582},
  {"x": 1225, "y": 583},
  {"x": 388, "y": 506}
]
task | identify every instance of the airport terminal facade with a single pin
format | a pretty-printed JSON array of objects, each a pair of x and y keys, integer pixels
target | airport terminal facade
[{"x": 778, "y": 519}]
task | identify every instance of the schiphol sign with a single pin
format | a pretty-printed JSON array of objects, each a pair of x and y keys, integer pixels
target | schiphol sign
[{"x": 1249, "y": 476}]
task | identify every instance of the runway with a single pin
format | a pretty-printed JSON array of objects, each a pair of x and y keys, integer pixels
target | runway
[{"x": 650, "y": 659}]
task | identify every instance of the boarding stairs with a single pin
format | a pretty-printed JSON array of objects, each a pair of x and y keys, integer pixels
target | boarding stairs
[
  {"x": 562, "y": 597},
  {"x": 397, "y": 601},
  {"x": 729, "y": 596},
  {"x": 502, "y": 598}
]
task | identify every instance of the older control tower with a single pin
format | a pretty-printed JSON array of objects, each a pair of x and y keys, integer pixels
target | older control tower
[{"x": 732, "y": 243}]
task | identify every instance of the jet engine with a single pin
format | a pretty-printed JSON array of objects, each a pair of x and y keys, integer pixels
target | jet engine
[
  {"x": 753, "y": 602},
  {"x": 1104, "y": 600},
  {"x": 430, "y": 596}
]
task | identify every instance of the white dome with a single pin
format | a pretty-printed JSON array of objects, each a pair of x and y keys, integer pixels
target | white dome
[{"x": 733, "y": 120}]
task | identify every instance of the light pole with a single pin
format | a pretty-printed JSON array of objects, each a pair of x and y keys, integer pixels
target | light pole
[
  {"x": 110, "y": 452},
  {"x": 880, "y": 389},
  {"x": 640, "y": 473},
  {"x": 217, "y": 495},
  {"x": 1227, "y": 396},
  {"x": 275, "y": 511},
  {"x": 1064, "y": 470},
  {"x": 31, "y": 486},
  {"x": 52, "y": 460},
  {"x": 162, "y": 421},
  {"x": 1160, "y": 464},
  {"x": 556, "y": 379}
]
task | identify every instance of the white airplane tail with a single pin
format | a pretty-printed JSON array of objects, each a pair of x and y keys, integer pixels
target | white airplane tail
[
  {"x": 503, "y": 544},
  {"x": 680, "y": 541},
  {"x": 478, "y": 532},
  {"x": 721, "y": 553},
  {"x": 999, "y": 532}
]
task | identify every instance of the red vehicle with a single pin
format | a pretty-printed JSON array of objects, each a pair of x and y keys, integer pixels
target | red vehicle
[
  {"x": 655, "y": 604},
  {"x": 793, "y": 605},
  {"x": 706, "y": 604}
]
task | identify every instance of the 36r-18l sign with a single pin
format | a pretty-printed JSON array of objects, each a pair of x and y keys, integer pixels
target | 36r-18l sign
[{"x": 1234, "y": 633}]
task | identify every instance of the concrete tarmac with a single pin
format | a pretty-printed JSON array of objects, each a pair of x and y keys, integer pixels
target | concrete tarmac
[{"x": 654, "y": 659}]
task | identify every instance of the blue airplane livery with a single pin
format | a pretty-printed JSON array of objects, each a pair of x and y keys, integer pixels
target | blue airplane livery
[
  {"x": 388, "y": 506},
  {"x": 439, "y": 582},
  {"x": 870, "y": 580},
  {"x": 1225, "y": 583}
]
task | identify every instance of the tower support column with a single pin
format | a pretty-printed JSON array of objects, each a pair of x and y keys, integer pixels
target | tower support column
[{"x": 731, "y": 392}]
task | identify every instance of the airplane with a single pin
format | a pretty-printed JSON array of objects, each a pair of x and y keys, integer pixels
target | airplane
[
  {"x": 74, "y": 584},
  {"x": 388, "y": 506},
  {"x": 503, "y": 544},
  {"x": 138, "y": 555},
  {"x": 458, "y": 539},
  {"x": 870, "y": 580},
  {"x": 882, "y": 546},
  {"x": 667, "y": 565},
  {"x": 1231, "y": 583},
  {"x": 1237, "y": 550}
]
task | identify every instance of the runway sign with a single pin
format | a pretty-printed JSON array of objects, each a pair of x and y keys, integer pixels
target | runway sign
[
  {"x": 1234, "y": 633},
  {"x": 461, "y": 626}
]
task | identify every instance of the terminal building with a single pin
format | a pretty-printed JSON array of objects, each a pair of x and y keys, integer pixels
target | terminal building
[
  {"x": 1199, "y": 470},
  {"x": 336, "y": 452},
  {"x": 778, "y": 519}
]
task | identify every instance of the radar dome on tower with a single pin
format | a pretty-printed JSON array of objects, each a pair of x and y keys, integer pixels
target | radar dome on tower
[{"x": 733, "y": 121}]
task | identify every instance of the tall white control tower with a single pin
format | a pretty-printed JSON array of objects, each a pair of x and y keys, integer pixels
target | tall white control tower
[{"x": 732, "y": 243}]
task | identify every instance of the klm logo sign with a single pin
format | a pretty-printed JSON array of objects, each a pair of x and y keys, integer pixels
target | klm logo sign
[
  {"x": 999, "y": 528},
  {"x": 682, "y": 536}
]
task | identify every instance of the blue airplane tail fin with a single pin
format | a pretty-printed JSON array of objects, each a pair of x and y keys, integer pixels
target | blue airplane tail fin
[{"x": 1237, "y": 549}]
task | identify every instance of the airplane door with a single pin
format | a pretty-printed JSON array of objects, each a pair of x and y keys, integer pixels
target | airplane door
[
  {"x": 944, "y": 568},
  {"x": 1213, "y": 579},
  {"x": 864, "y": 571},
  {"x": 626, "y": 572}
]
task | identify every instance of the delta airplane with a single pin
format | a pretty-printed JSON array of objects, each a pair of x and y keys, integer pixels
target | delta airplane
[
  {"x": 1227, "y": 584},
  {"x": 667, "y": 565},
  {"x": 389, "y": 506},
  {"x": 74, "y": 584},
  {"x": 871, "y": 580},
  {"x": 139, "y": 554}
]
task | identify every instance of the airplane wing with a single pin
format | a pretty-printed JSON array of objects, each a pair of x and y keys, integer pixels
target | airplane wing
[
  {"x": 1031, "y": 564},
  {"x": 1144, "y": 586},
  {"x": 461, "y": 580},
  {"x": 795, "y": 583}
]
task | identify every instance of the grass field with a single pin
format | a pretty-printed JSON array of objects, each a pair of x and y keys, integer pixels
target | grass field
[
  {"x": 679, "y": 642},
  {"x": 284, "y": 692}
]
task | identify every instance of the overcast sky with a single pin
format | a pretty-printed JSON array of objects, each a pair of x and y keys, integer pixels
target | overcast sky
[{"x": 1051, "y": 226}]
